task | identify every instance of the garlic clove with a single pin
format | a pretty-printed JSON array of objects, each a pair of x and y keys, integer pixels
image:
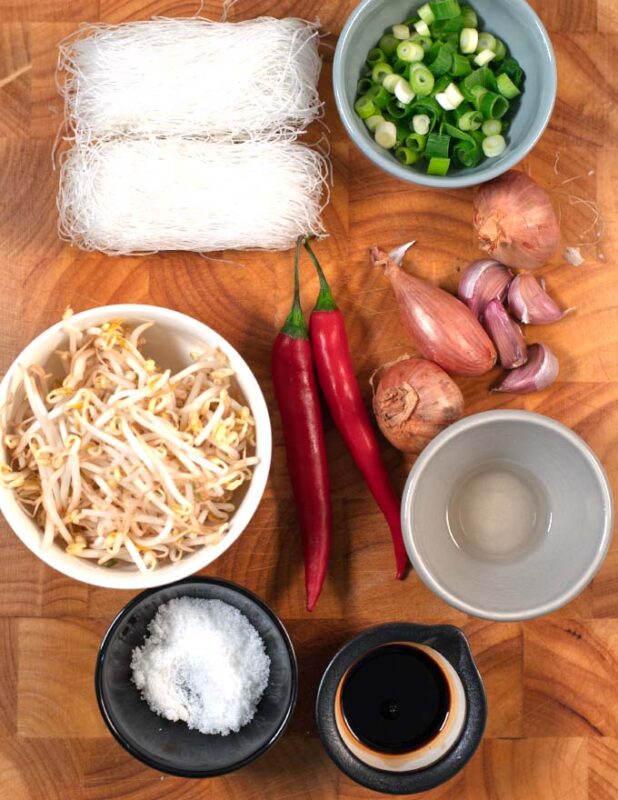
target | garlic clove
[
  {"x": 530, "y": 303},
  {"x": 506, "y": 335},
  {"x": 484, "y": 280},
  {"x": 539, "y": 372}
]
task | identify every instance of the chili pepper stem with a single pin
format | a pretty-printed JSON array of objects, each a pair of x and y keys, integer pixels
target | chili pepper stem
[
  {"x": 325, "y": 301},
  {"x": 295, "y": 326}
]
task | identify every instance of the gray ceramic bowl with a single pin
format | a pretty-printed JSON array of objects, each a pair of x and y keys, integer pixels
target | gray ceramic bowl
[
  {"x": 528, "y": 41},
  {"x": 507, "y": 515}
]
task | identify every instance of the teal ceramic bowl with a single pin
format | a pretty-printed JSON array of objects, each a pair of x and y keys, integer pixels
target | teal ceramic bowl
[{"x": 514, "y": 21}]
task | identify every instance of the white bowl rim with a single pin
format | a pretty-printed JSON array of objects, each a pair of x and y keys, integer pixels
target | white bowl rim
[
  {"x": 463, "y": 179},
  {"x": 474, "y": 421},
  {"x": 185, "y": 567}
]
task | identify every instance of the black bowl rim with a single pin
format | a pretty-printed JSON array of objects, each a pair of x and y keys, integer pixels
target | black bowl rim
[
  {"x": 460, "y": 657},
  {"x": 153, "y": 762}
]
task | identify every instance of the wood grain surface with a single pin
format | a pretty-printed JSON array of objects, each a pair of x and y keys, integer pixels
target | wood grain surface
[{"x": 552, "y": 683}]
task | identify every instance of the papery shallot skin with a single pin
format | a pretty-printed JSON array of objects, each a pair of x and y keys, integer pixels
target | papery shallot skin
[
  {"x": 442, "y": 327},
  {"x": 515, "y": 221}
]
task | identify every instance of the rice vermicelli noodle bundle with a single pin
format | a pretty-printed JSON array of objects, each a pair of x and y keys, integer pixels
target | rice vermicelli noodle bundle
[
  {"x": 134, "y": 196},
  {"x": 123, "y": 460},
  {"x": 190, "y": 77}
]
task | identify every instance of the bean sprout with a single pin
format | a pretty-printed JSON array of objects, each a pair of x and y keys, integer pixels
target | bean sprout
[{"x": 121, "y": 461}]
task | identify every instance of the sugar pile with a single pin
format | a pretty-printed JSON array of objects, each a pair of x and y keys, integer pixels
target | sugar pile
[{"x": 204, "y": 663}]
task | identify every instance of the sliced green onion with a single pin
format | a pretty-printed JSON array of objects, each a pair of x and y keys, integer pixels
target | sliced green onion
[
  {"x": 506, "y": 87},
  {"x": 407, "y": 156},
  {"x": 416, "y": 141},
  {"x": 426, "y": 14},
  {"x": 380, "y": 71},
  {"x": 445, "y": 27},
  {"x": 478, "y": 93},
  {"x": 469, "y": 16},
  {"x": 379, "y": 96},
  {"x": 491, "y": 127},
  {"x": 511, "y": 68},
  {"x": 493, "y": 106},
  {"x": 444, "y": 102},
  {"x": 487, "y": 78},
  {"x": 437, "y": 145},
  {"x": 421, "y": 80},
  {"x": 401, "y": 32},
  {"x": 404, "y": 92},
  {"x": 375, "y": 56},
  {"x": 445, "y": 9},
  {"x": 484, "y": 57},
  {"x": 396, "y": 110},
  {"x": 386, "y": 135},
  {"x": 429, "y": 107},
  {"x": 442, "y": 62},
  {"x": 402, "y": 68},
  {"x": 425, "y": 42},
  {"x": 470, "y": 121},
  {"x": 467, "y": 153},
  {"x": 365, "y": 107},
  {"x": 364, "y": 85},
  {"x": 494, "y": 146},
  {"x": 388, "y": 44},
  {"x": 390, "y": 81},
  {"x": 468, "y": 40},
  {"x": 499, "y": 50},
  {"x": 410, "y": 51},
  {"x": 454, "y": 96},
  {"x": 421, "y": 123},
  {"x": 373, "y": 121},
  {"x": 486, "y": 42},
  {"x": 461, "y": 66},
  {"x": 422, "y": 28},
  {"x": 438, "y": 166}
]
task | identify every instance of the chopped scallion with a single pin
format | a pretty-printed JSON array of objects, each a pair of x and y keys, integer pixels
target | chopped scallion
[
  {"x": 365, "y": 107},
  {"x": 404, "y": 92},
  {"x": 421, "y": 124},
  {"x": 454, "y": 96},
  {"x": 470, "y": 121},
  {"x": 379, "y": 96},
  {"x": 445, "y": 9},
  {"x": 491, "y": 127},
  {"x": 390, "y": 81},
  {"x": 484, "y": 57},
  {"x": 486, "y": 42},
  {"x": 437, "y": 145},
  {"x": 388, "y": 44},
  {"x": 438, "y": 166},
  {"x": 422, "y": 28},
  {"x": 493, "y": 106},
  {"x": 506, "y": 87},
  {"x": 407, "y": 156},
  {"x": 426, "y": 14},
  {"x": 410, "y": 51},
  {"x": 468, "y": 40},
  {"x": 422, "y": 81},
  {"x": 499, "y": 50},
  {"x": 386, "y": 135},
  {"x": 416, "y": 141},
  {"x": 494, "y": 146},
  {"x": 469, "y": 17},
  {"x": 401, "y": 32},
  {"x": 376, "y": 55},
  {"x": 380, "y": 71},
  {"x": 373, "y": 121}
]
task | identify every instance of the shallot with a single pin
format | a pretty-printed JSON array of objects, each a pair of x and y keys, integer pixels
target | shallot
[
  {"x": 414, "y": 400},
  {"x": 444, "y": 329},
  {"x": 506, "y": 335},
  {"x": 515, "y": 221}
]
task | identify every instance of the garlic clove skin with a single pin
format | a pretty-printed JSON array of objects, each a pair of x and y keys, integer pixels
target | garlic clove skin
[
  {"x": 529, "y": 302},
  {"x": 484, "y": 280},
  {"x": 539, "y": 372},
  {"x": 506, "y": 335}
]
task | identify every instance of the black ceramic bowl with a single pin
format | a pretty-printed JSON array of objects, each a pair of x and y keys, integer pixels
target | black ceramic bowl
[
  {"x": 171, "y": 746},
  {"x": 453, "y": 645}
]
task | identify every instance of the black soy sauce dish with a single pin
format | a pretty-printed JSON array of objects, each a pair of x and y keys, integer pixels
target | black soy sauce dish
[
  {"x": 372, "y": 758},
  {"x": 171, "y": 746}
]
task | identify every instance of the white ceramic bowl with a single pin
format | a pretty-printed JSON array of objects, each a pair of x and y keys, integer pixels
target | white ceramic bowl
[
  {"x": 169, "y": 342},
  {"x": 507, "y": 515}
]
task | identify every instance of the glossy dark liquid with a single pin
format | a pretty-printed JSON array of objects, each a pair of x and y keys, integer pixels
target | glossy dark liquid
[{"x": 395, "y": 699}]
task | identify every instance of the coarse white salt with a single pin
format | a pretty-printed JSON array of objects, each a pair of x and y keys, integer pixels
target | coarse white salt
[{"x": 203, "y": 662}]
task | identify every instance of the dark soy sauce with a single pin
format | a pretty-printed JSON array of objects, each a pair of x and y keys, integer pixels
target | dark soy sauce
[{"x": 395, "y": 699}]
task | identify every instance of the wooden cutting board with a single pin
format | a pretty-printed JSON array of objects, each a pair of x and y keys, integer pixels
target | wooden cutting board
[{"x": 552, "y": 683}]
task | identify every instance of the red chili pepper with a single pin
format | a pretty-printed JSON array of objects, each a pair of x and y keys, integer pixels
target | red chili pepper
[
  {"x": 331, "y": 352},
  {"x": 297, "y": 395}
]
